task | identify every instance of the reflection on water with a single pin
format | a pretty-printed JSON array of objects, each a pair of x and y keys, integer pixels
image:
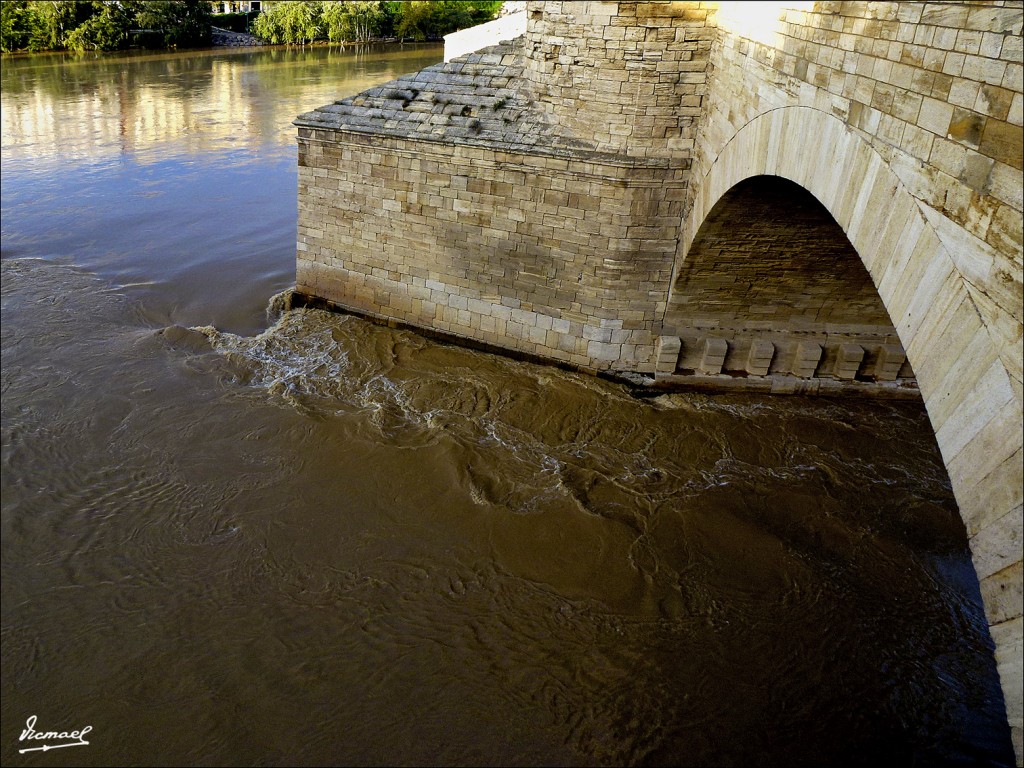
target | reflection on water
[
  {"x": 172, "y": 173},
  {"x": 63, "y": 107},
  {"x": 307, "y": 539}
]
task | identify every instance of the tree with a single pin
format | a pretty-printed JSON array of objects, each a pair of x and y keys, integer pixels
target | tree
[
  {"x": 16, "y": 25},
  {"x": 433, "y": 19},
  {"x": 292, "y": 22},
  {"x": 100, "y": 25},
  {"x": 54, "y": 21},
  {"x": 303, "y": 22},
  {"x": 353, "y": 20},
  {"x": 182, "y": 23},
  {"x": 106, "y": 28}
]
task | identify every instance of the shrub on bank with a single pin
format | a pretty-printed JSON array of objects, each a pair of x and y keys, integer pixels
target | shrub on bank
[
  {"x": 355, "y": 21},
  {"x": 183, "y": 23},
  {"x": 358, "y": 21},
  {"x": 295, "y": 22},
  {"x": 15, "y": 26},
  {"x": 106, "y": 29},
  {"x": 432, "y": 20},
  {"x": 93, "y": 25},
  {"x": 85, "y": 25}
]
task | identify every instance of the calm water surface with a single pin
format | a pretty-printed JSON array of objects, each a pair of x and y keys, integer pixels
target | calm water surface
[{"x": 235, "y": 536}]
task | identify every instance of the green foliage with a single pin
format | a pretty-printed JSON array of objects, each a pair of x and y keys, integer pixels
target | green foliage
[
  {"x": 185, "y": 23},
  {"x": 84, "y": 25},
  {"x": 16, "y": 25},
  {"x": 94, "y": 25},
  {"x": 292, "y": 22},
  {"x": 105, "y": 29},
  {"x": 54, "y": 21},
  {"x": 359, "y": 21},
  {"x": 433, "y": 19},
  {"x": 422, "y": 20}
]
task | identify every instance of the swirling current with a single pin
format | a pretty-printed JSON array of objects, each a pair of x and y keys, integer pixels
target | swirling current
[
  {"x": 301, "y": 538},
  {"x": 334, "y": 542}
]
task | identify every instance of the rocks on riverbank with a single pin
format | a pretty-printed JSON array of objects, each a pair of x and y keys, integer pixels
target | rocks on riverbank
[{"x": 225, "y": 37}]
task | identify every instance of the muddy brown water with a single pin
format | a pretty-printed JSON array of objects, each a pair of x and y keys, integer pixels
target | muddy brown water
[{"x": 234, "y": 536}]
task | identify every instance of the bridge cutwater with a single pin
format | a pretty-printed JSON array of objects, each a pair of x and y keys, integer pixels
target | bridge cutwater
[{"x": 787, "y": 197}]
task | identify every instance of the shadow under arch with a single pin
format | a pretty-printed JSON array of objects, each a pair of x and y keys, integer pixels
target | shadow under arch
[
  {"x": 972, "y": 403},
  {"x": 771, "y": 271}
]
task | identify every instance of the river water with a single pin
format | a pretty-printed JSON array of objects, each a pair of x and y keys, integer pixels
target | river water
[{"x": 234, "y": 536}]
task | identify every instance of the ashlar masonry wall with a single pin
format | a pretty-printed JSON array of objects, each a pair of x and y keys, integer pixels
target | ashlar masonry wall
[
  {"x": 528, "y": 196},
  {"x": 531, "y": 252},
  {"x": 627, "y": 77}
]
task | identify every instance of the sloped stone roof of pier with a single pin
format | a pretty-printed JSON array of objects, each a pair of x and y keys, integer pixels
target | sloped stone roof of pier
[{"x": 474, "y": 99}]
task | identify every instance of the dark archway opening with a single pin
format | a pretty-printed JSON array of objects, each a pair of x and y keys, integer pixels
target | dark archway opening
[{"x": 771, "y": 288}]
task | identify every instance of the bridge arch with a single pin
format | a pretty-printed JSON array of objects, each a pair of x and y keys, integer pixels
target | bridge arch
[
  {"x": 772, "y": 279},
  {"x": 973, "y": 401}
]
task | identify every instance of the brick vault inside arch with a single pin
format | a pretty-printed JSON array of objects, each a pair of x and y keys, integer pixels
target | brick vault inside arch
[{"x": 772, "y": 287}]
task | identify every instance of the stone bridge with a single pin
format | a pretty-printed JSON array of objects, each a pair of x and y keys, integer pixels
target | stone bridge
[{"x": 787, "y": 197}]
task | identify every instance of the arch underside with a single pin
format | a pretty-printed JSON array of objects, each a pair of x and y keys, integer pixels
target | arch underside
[
  {"x": 773, "y": 283},
  {"x": 967, "y": 372}
]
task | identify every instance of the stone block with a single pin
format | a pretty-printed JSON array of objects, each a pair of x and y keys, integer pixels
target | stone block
[
  {"x": 987, "y": 473},
  {"x": 998, "y": 545},
  {"x": 1009, "y": 639},
  {"x": 713, "y": 354},
  {"x": 995, "y": 19},
  {"x": 935, "y": 116},
  {"x": 805, "y": 359},
  {"x": 1001, "y": 141},
  {"x": 759, "y": 359},
  {"x": 668, "y": 350},
  {"x": 848, "y": 361},
  {"x": 600, "y": 352},
  {"x": 890, "y": 359},
  {"x": 1002, "y": 594}
]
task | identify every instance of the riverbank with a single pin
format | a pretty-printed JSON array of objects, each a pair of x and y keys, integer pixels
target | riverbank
[{"x": 225, "y": 38}]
